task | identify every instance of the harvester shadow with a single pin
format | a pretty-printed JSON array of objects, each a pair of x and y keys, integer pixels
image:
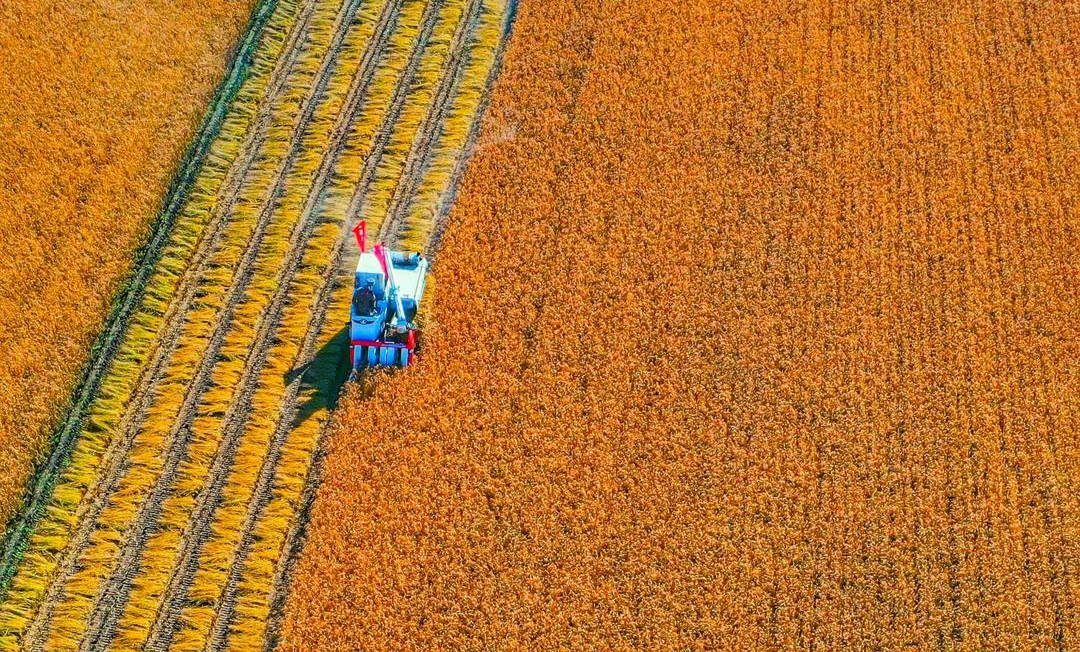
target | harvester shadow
[{"x": 323, "y": 377}]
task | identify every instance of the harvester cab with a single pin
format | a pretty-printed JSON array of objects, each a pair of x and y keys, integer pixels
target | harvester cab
[{"x": 387, "y": 289}]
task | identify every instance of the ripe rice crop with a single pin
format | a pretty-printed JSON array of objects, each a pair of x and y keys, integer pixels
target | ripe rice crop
[
  {"x": 757, "y": 329},
  {"x": 99, "y": 101}
]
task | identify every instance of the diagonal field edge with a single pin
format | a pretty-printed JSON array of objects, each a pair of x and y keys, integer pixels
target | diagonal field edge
[
  {"x": 418, "y": 158},
  {"x": 127, "y": 298},
  {"x": 442, "y": 214}
]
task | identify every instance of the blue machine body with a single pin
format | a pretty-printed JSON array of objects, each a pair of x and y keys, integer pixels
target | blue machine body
[{"x": 387, "y": 289}]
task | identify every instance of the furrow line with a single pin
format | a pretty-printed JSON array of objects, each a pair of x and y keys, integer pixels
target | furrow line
[
  {"x": 297, "y": 530},
  {"x": 116, "y": 455},
  {"x": 393, "y": 116},
  {"x": 198, "y": 527},
  {"x": 447, "y": 148},
  {"x": 110, "y": 601}
]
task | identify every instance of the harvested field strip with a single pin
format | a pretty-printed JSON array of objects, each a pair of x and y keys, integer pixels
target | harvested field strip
[
  {"x": 254, "y": 593},
  {"x": 441, "y": 209},
  {"x": 303, "y": 202},
  {"x": 199, "y": 207},
  {"x": 52, "y": 533},
  {"x": 270, "y": 243},
  {"x": 267, "y": 555},
  {"x": 170, "y": 527},
  {"x": 441, "y": 94},
  {"x": 436, "y": 184},
  {"x": 441, "y": 141},
  {"x": 216, "y": 561},
  {"x": 457, "y": 21}
]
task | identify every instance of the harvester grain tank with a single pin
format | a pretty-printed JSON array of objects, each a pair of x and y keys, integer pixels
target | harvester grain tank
[{"x": 387, "y": 289}]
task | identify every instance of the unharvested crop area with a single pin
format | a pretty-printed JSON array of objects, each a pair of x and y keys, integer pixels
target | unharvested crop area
[
  {"x": 757, "y": 329},
  {"x": 166, "y": 516},
  {"x": 99, "y": 101}
]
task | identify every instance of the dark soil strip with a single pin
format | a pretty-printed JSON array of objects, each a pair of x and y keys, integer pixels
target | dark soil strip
[
  {"x": 126, "y": 301},
  {"x": 198, "y": 528},
  {"x": 110, "y": 603},
  {"x": 115, "y": 457},
  {"x": 297, "y": 534},
  {"x": 447, "y": 200}
]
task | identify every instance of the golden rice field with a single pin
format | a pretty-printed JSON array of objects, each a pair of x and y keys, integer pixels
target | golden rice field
[
  {"x": 757, "y": 329},
  {"x": 167, "y": 520},
  {"x": 99, "y": 100}
]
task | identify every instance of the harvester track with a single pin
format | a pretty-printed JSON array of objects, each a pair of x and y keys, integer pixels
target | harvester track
[
  {"x": 116, "y": 456},
  {"x": 175, "y": 484},
  {"x": 112, "y": 599},
  {"x": 424, "y": 143},
  {"x": 198, "y": 527},
  {"x": 442, "y": 214}
]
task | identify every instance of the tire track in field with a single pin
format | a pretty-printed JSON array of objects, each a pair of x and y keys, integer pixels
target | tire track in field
[
  {"x": 110, "y": 601},
  {"x": 66, "y": 433},
  {"x": 115, "y": 459},
  {"x": 264, "y": 486},
  {"x": 423, "y": 144},
  {"x": 198, "y": 528}
]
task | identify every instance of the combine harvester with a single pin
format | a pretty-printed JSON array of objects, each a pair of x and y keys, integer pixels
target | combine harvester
[{"x": 387, "y": 289}]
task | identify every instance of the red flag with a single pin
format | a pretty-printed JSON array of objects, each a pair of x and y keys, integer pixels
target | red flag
[
  {"x": 381, "y": 255},
  {"x": 361, "y": 235}
]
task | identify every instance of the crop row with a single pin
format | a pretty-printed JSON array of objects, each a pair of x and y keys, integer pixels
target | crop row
[
  {"x": 259, "y": 588},
  {"x": 169, "y": 441}
]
